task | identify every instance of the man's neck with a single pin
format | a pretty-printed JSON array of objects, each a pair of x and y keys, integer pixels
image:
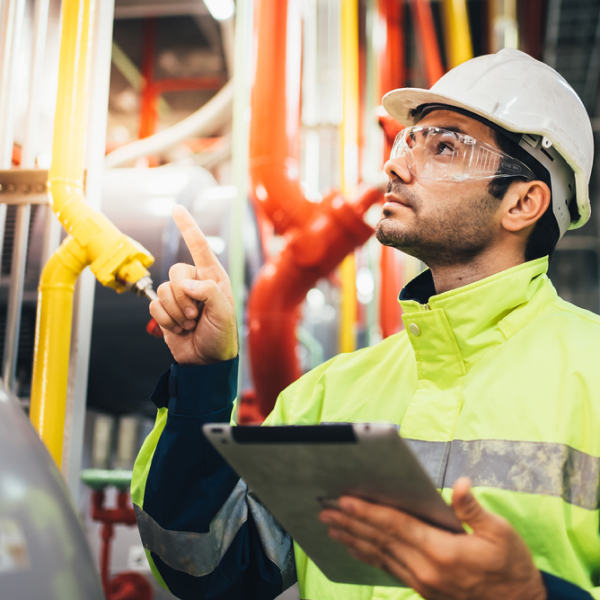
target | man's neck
[{"x": 450, "y": 277}]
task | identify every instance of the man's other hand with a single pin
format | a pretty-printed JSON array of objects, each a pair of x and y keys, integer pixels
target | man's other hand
[
  {"x": 195, "y": 307},
  {"x": 492, "y": 562}
]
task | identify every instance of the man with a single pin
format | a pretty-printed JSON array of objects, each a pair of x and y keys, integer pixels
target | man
[{"x": 495, "y": 378}]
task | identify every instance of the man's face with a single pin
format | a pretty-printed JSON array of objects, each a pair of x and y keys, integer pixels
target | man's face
[{"x": 439, "y": 222}]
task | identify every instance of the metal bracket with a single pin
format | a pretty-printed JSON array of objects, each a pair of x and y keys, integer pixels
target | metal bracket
[{"x": 24, "y": 186}]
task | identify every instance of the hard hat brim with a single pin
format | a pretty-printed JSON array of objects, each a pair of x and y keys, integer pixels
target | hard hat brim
[{"x": 402, "y": 103}]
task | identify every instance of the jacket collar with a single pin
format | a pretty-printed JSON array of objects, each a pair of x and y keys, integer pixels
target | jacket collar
[{"x": 484, "y": 313}]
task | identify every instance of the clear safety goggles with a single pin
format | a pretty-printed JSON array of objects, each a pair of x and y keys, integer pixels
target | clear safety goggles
[{"x": 434, "y": 153}]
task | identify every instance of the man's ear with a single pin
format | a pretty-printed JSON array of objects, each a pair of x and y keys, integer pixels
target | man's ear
[{"x": 525, "y": 202}]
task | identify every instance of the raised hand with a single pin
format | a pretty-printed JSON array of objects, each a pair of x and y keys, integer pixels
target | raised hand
[{"x": 195, "y": 307}]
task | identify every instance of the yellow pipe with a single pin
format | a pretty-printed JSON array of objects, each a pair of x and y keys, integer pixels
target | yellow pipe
[
  {"x": 457, "y": 32},
  {"x": 51, "y": 360},
  {"x": 116, "y": 260},
  {"x": 349, "y": 171}
]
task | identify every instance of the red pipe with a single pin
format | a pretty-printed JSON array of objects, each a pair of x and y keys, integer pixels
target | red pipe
[
  {"x": 127, "y": 585},
  {"x": 319, "y": 235},
  {"x": 148, "y": 112},
  {"x": 427, "y": 38},
  {"x": 532, "y": 26},
  {"x": 310, "y": 254},
  {"x": 208, "y": 82},
  {"x": 392, "y": 57},
  {"x": 275, "y": 125},
  {"x": 392, "y": 76}
]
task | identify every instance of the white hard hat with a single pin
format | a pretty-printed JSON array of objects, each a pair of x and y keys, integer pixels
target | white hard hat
[{"x": 521, "y": 95}]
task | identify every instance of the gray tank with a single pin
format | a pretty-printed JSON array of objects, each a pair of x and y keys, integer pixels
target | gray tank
[{"x": 43, "y": 551}]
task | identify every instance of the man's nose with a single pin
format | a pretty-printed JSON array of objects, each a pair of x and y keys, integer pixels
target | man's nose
[{"x": 398, "y": 168}]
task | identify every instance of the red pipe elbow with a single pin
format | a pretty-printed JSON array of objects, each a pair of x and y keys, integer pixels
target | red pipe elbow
[{"x": 281, "y": 286}]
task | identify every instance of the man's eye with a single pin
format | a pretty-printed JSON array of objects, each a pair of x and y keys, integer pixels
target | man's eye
[
  {"x": 444, "y": 148},
  {"x": 411, "y": 140}
]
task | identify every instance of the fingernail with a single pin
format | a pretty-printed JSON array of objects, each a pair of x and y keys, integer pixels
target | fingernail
[
  {"x": 346, "y": 505},
  {"x": 177, "y": 329},
  {"x": 335, "y": 534},
  {"x": 326, "y": 519},
  {"x": 189, "y": 324},
  {"x": 189, "y": 285},
  {"x": 190, "y": 312}
]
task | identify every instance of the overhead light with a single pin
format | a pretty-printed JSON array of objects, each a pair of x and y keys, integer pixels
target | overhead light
[{"x": 220, "y": 9}]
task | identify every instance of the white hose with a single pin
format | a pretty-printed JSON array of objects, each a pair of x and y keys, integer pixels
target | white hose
[{"x": 211, "y": 117}]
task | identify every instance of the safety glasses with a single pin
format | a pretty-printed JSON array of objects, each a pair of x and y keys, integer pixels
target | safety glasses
[{"x": 434, "y": 153}]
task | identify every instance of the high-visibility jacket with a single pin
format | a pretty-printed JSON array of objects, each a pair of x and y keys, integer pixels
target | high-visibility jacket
[{"x": 498, "y": 380}]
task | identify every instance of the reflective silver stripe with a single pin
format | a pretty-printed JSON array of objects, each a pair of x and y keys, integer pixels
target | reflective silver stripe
[
  {"x": 199, "y": 554},
  {"x": 433, "y": 456},
  {"x": 530, "y": 467},
  {"x": 275, "y": 540}
]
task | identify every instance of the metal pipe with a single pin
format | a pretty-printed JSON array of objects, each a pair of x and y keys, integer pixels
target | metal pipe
[
  {"x": 371, "y": 162},
  {"x": 349, "y": 166},
  {"x": 83, "y": 301},
  {"x": 51, "y": 359},
  {"x": 393, "y": 72},
  {"x": 552, "y": 30},
  {"x": 274, "y": 129},
  {"x": 427, "y": 39},
  {"x": 242, "y": 82},
  {"x": 457, "y": 32},
  {"x": 15, "y": 295},
  {"x": 116, "y": 260},
  {"x": 211, "y": 117},
  {"x": 19, "y": 257},
  {"x": 148, "y": 112},
  {"x": 14, "y": 12}
]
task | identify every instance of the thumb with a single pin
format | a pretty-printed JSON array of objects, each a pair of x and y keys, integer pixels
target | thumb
[
  {"x": 209, "y": 293},
  {"x": 467, "y": 509}
]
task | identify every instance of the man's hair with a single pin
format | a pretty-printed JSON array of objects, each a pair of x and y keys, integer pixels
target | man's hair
[{"x": 545, "y": 235}]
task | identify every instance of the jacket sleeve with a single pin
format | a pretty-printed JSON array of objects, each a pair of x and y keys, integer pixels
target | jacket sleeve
[
  {"x": 560, "y": 589},
  {"x": 205, "y": 535}
]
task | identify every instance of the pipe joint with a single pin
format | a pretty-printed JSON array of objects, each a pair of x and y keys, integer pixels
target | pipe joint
[
  {"x": 116, "y": 260},
  {"x": 122, "y": 264},
  {"x": 64, "y": 266}
]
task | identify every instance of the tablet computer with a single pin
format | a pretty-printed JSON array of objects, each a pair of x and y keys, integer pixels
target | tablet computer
[{"x": 297, "y": 470}]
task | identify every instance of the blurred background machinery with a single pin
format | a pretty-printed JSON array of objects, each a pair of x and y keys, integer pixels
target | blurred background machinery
[{"x": 279, "y": 160}]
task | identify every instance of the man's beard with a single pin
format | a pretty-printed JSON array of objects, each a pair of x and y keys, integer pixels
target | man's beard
[{"x": 450, "y": 237}]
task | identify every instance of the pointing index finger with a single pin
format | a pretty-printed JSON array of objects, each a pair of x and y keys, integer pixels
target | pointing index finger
[{"x": 197, "y": 244}]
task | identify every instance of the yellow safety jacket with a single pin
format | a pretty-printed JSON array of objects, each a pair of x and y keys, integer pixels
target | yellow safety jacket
[{"x": 498, "y": 380}]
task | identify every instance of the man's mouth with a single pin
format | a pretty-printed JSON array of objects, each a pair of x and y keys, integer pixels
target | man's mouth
[{"x": 391, "y": 197}]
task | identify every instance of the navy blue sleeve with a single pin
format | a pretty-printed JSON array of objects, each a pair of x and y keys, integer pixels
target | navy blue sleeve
[
  {"x": 188, "y": 483},
  {"x": 187, "y": 473},
  {"x": 561, "y": 589}
]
